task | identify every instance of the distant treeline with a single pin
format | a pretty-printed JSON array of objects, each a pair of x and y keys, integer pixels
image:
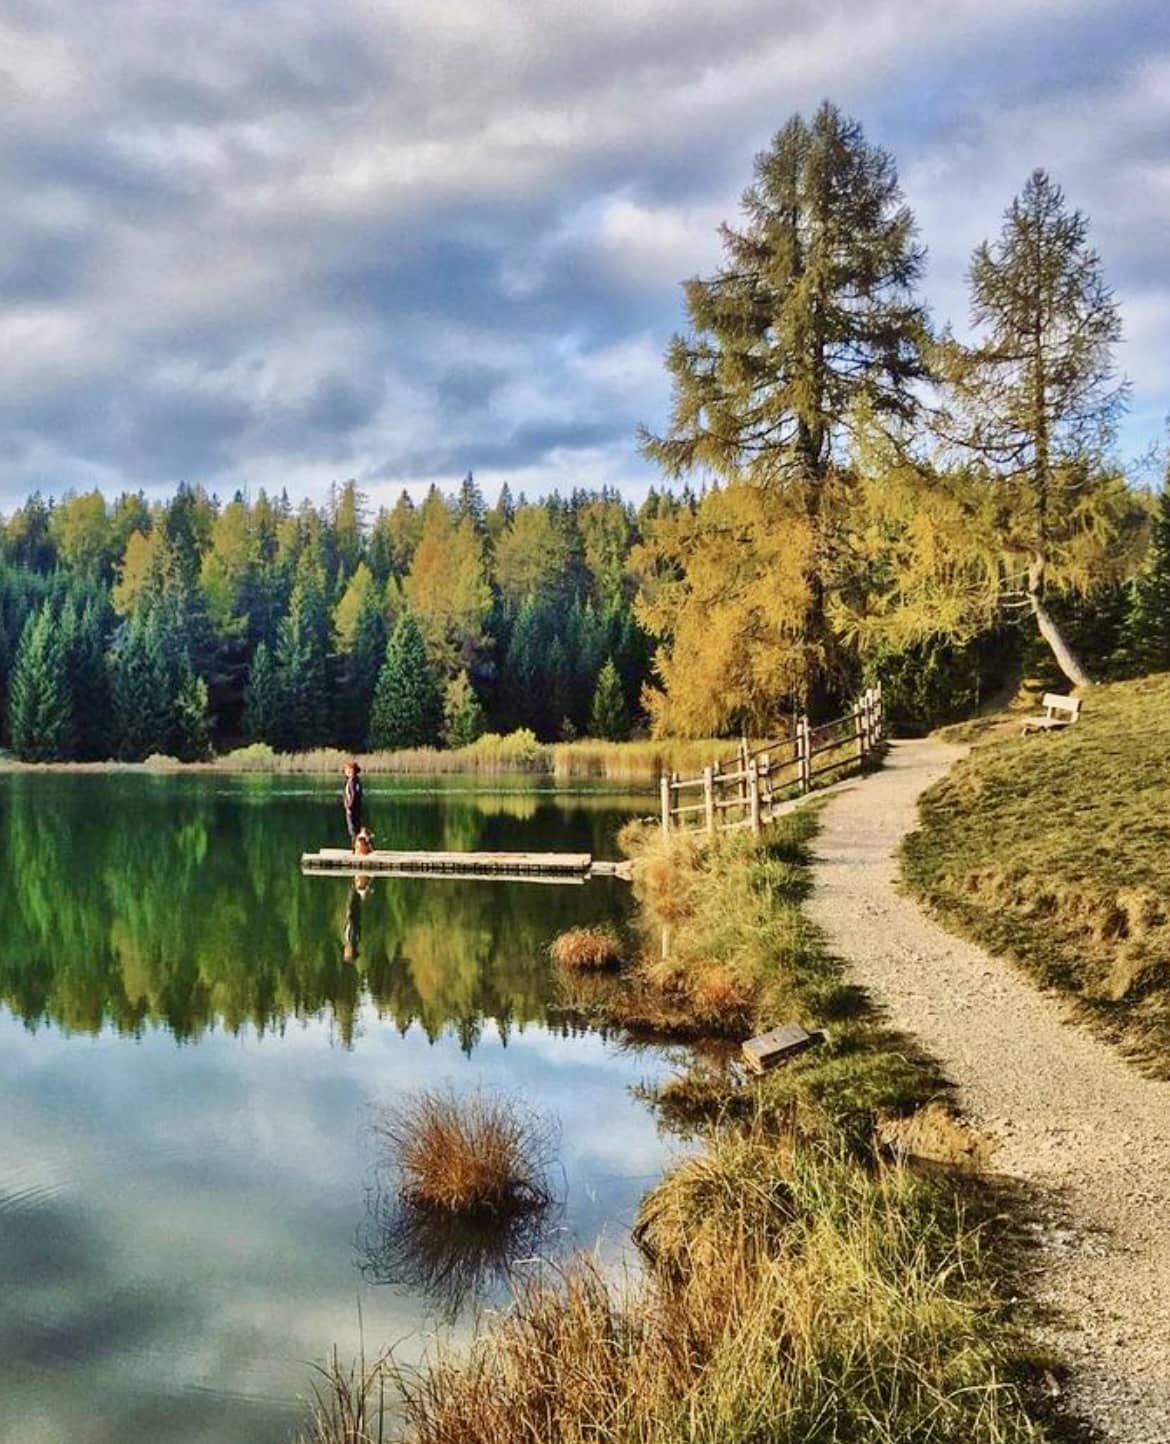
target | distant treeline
[{"x": 132, "y": 628}]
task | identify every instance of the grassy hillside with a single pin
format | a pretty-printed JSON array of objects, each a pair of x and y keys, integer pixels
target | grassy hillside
[{"x": 1055, "y": 849}]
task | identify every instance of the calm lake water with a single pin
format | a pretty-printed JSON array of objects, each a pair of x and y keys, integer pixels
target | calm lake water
[{"x": 194, "y": 1044}]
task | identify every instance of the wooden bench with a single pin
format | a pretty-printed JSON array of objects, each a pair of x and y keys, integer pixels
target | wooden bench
[{"x": 1058, "y": 712}]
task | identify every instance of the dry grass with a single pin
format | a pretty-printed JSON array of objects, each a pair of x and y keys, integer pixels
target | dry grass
[
  {"x": 1053, "y": 848},
  {"x": 349, "y": 1402},
  {"x": 804, "y": 1283},
  {"x": 790, "y": 1296},
  {"x": 478, "y": 1153},
  {"x": 593, "y": 949}
]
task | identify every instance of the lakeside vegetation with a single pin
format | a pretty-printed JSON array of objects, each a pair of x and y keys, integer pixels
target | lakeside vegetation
[
  {"x": 1052, "y": 849},
  {"x": 805, "y": 1278}
]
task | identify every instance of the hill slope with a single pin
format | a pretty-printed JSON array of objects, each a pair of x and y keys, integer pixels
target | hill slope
[{"x": 1055, "y": 849}]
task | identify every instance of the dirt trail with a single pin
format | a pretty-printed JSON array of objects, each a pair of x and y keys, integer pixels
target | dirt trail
[{"x": 1070, "y": 1115}]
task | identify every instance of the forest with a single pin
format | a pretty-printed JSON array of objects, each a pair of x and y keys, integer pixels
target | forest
[{"x": 849, "y": 494}]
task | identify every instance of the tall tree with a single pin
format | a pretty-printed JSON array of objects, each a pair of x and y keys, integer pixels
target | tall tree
[
  {"x": 302, "y": 648},
  {"x": 408, "y": 705},
  {"x": 142, "y": 689},
  {"x": 40, "y": 707},
  {"x": 262, "y": 699},
  {"x": 1036, "y": 402},
  {"x": 811, "y": 320},
  {"x": 447, "y": 589}
]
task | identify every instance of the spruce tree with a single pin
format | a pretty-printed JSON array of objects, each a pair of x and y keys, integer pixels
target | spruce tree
[
  {"x": 462, "y": 712},
  {"x": 301, "y": 663},
  {"x": 142, "y": 692},
  {"x": 261, "y": 701},
  {"x": 191, "y": 721},
  {"x": 609, "y": 718},
  {"x": 408, "y": 705},
  {"x": 1147, "y": 622},
  {"x": 40, "y": 706},
  {"x": 89, "y": 681}
]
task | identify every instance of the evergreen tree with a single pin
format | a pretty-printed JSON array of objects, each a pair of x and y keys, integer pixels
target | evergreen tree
[
  {"x": 262, "y": 699},
  {"x": 811, "y": 319},
  {"x": 141, "y": 686},
  {"x": 301, "y": 663},
  {"x": 609, "y": 717},
  {"x": 89, "y": 682},
  {"x": 408, "y": 705},
  {"x": 40, "y": 708},
  {"x": 1147, "y": 621},
  {"x": 462, "y": 712},
  {"x": 361, "y": 634},
  {"x": 191, "y": 720}
]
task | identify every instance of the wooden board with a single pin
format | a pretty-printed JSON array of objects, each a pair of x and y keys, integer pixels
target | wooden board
[
  {"x": 466, "y": 864},
  {"x": 777, "y": 1046}
]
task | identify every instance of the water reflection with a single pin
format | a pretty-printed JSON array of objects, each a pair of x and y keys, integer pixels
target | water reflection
[
  {"x": 137, "y": 901},
  {"x": 184, "y": 1161}
]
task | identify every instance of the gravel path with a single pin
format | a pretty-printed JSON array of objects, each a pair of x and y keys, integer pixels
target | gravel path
[{"x": 1069, "y": 1115}]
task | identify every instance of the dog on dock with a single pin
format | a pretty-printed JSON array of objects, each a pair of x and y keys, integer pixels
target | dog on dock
[{"x": 363, "y": 842}]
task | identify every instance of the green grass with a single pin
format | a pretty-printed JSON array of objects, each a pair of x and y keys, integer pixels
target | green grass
[
  {"x": 1053, "y": 849},
  {"x": 807, "y": 1280}
]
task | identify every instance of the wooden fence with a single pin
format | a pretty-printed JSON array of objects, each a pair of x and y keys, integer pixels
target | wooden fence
[{"x": 746, "y": 790}]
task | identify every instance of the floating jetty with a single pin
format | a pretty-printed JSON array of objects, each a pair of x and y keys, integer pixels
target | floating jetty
[{"x": 559, "y": 867}]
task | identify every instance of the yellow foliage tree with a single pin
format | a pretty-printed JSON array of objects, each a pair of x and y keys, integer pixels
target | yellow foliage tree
[
  {"x": 447, "y": 589},
  {"x": 531, "y": 556}
]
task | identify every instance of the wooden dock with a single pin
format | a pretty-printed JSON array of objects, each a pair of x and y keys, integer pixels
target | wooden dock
[{"x": 560, "y": 867}]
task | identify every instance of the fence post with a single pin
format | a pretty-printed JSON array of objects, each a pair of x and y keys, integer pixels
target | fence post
[
  {"x": 804, "y": 751},
  {"x": 767, "y": 790},
  {"x": 754, "y": 795},
  {"x": 859, "y": 721},
  {"x": 879, "y": 709},
  {"x": 709, "y": 798},
  {"x": 743, "y": 767},
  {"x": 664, "y": 792}
]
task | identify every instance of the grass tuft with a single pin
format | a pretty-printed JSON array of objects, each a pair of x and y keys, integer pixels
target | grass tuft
[
  {"x": 480, "y": 1153},
  {"x": 597, "y": 949}
]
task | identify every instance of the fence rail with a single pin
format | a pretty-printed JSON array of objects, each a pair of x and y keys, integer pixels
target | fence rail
[{"x": 746, "y": 790}]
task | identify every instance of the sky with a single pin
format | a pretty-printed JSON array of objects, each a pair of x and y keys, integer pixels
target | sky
[{"x": 279, "y": 243}]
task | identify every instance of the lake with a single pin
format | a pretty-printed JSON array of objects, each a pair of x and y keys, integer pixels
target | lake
[{"x": 195, "y": 1043}]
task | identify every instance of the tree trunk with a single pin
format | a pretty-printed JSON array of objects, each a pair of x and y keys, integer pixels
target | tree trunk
[{"x": 1066, "y": 659}]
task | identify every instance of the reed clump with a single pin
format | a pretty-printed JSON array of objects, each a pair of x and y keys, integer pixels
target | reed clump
[
  {"x": 587, "y": 949},
  {"x": 479, "y": 1153}
]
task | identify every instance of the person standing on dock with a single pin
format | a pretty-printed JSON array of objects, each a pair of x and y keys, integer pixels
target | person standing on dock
[{"x": 352, "y": 799}]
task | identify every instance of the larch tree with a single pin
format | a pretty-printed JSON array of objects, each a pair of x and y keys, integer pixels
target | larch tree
[
  {"x": 812, "y": 318},
  {"x": 1033, "y": 407},
  {"x": 448, "y": 590}
]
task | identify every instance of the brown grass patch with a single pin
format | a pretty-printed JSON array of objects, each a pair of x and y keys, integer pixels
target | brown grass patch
[
  {"x": 472, "y": 1154},
  {"x": 596, "y": 949}
]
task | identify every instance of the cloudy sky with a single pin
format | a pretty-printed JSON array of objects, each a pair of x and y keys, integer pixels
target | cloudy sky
[{"x": 276, "y": 242}]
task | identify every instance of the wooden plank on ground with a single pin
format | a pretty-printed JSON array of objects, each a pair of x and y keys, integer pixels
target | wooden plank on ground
[{"x": 777, "y": 1045}]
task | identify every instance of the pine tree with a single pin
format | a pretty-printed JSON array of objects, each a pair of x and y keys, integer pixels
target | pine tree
[
  {"x": 362, "y": 638},
  {"x": 408, "y": 705},
  {"x": 812, "y": 318},
  {"x": 261, "y": 703},
  {"x": 462, "y": 712},
  {"x": 609, "y": 717},
  {"x": 141, "y": 685},
  {"x": 1147, "y": 622},
  {"x": 40, "y": 707}
]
